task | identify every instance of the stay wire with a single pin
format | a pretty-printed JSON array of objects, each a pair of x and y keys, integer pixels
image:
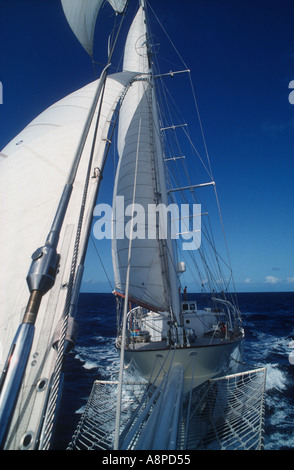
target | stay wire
[{"x": 102, "y": 264}]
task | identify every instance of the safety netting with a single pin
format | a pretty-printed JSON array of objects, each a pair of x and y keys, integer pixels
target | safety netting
[
  {"x": 96, "y": 428},
  {"x": 225, "y": 413}
]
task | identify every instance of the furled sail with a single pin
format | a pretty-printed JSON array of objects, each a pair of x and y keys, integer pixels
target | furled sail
[
  {"x": 137, "y": 141},
  {"x": 33, "y": 171},
  {"x": 82, "y": 15}
]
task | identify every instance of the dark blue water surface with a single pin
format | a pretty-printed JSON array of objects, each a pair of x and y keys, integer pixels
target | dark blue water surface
[{"x": 268, "y": 319}]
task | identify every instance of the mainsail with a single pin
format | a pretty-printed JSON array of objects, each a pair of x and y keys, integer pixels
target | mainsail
[{"x": 150, "y": 279}]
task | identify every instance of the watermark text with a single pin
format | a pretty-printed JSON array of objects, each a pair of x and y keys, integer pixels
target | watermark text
[
  {"x": 156, "y": 221},
  {"x": 291, "y": 95}
]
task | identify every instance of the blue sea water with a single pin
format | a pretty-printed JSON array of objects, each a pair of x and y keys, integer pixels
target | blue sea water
[{"x": 268, "y": 320}]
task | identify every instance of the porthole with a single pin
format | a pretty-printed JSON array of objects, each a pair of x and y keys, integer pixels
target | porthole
[{"x": 26, "y": 440}]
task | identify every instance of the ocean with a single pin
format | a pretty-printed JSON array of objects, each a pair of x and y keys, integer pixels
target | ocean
[{"x": 268, "y": 320}]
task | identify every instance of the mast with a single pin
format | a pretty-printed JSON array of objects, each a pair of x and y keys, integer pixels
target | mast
[
  {"x": 168, "y": 247},
  {"x": 153, "y": 278}
]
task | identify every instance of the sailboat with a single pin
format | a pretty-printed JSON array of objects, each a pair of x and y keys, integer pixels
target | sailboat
[{"x": 169, "y": 344}]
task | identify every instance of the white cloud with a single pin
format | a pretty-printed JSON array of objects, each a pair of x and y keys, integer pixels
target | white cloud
[
  {"x": 272, "y": 280},
  {"x": 290, "y": 280},
  {"x": 247, "y": 280},
  {"x": 90, "y": 281}
]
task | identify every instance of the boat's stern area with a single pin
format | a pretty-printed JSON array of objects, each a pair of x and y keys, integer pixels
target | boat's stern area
[{"x": 220, "y": 323}]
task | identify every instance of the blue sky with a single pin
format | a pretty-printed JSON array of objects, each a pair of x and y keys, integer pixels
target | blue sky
[{"x": 241, "y": 54}]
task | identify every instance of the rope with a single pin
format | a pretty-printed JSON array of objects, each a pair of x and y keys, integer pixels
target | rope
[
  {"x": 165, "y": 32},
  {"x": 216, "y": 258},
  {"x": 103, "y": 267}
]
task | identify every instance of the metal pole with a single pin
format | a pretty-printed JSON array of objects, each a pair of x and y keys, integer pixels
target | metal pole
[
  {"x": 12, "y": 376},
  {"x": 123, "y": 337}
]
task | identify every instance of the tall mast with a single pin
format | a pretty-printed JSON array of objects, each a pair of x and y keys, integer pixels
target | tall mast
[
  {"x": 153, "y": 279},
  {"x": 168, "y": 247}
]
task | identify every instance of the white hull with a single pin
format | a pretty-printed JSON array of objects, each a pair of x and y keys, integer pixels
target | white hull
[
  {"x": 208, "y": 345},
  {"x": 200, "y": 363}
]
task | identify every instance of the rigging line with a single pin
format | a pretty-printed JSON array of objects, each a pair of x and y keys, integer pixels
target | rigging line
[
  {"x": 186, "y": 131},
  {"x": 206, "y": 277},
  {"x": 201, "y": 126},
  {"x": 123, "y": 338},
  {"x": 195, "y": 101},
  {"x": 199, "y": 119},
  {"x": 208, "y": 234},
  {"x": 94, "y": 68},
  {"x": 167, "y": 106},
  {"x": 168, "y": 250},
  {"x": 209, "y": 171},
  {"x": 100, "y": 259},
  {"x": 112, "y": 34},
  {"x": 227, "y": 249},
  {"x": 168, "y": 37},
  {"x": 208, "y": 240}
]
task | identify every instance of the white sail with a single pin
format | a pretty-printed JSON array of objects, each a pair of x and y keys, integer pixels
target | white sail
[
  {"x": 135, "y": 52},
  {"x": 82, "y": 15},
  {"x": 148, "y": 283},
  {"x": 32, "y": 175},
  {"x": 118, "y": 5}
]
